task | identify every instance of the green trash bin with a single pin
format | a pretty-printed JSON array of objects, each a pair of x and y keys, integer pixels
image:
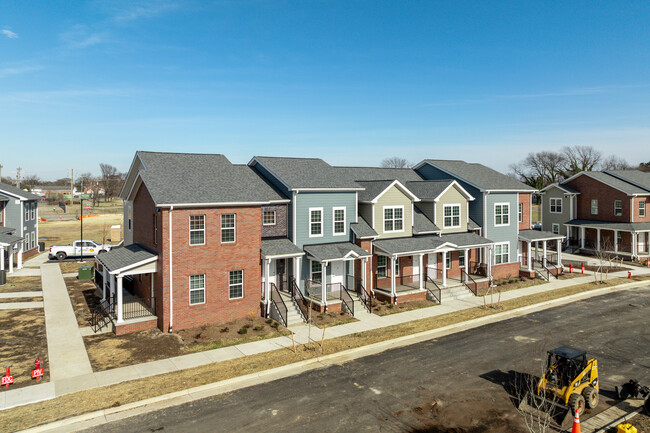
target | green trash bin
[{"x": 85, "y": 273}]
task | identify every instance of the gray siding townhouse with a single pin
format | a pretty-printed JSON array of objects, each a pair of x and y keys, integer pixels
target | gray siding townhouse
[
  {"x": 559, "y": 205},
  {"x": 18, "y": 226},
  {"x": 500, "y": 208},
  {"x": 320, "y": 257}
]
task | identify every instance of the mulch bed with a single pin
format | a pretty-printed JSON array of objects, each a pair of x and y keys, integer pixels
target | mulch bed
[
  {"x": 21, "y": 284},
  {"x": 84, "y": 296},
  {"x": 329, "y": 319}
]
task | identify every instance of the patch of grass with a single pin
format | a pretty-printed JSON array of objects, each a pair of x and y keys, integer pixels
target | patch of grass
[
  {"x": 127, "y": 392},
  {"x": 70, "y": 267},
  {"x": 21, "y": 284},
  {"x": 384, "y": 309},
  {"x": 34, "y": 299},
  {"x": 242, "y": 331}
]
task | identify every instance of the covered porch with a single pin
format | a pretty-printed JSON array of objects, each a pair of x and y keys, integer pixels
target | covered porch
[
  {"x": 281, "y": 262},
  {"x": 530, "y": 259},
  {"x": 126, "y": 300},
  {"x": 10, "y": 245},
  {"x": 630, "y": 240},
  {"x": 331, "y": 280}
]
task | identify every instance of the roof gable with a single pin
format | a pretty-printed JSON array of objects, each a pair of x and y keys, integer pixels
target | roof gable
[
  {"x": 611, "y": 181},
  {"x": 375, "y": 189},
  {"x": 306, "y": 174},
  {"x": 17, "y": 192},
  {"x": 635, "y": 177}
]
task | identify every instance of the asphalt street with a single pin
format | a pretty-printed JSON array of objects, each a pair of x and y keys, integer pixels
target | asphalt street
[{"x": 452, "y": 381}]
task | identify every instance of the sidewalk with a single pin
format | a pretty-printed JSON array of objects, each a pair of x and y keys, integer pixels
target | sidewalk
[{"x": 76, "y": 375}]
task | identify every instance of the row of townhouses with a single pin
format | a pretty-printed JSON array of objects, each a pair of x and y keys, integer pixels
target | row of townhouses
[
  {"x": 18, "y": 226},
  {"x": 208, "y": 241}
]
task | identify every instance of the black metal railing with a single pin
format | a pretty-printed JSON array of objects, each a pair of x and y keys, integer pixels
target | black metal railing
[
  {"x": 558, "y": 269},
  {"x": 364, "y": 296},
  {"x": 544, "y": 273},
  {"x": 346, "y": 299},
  {"x": 478, "y": 268},
  {"x": 101, "y": 315},
  {"x": 313, "y": 288},
  {"x": 469, "y": 282},
  {"x": 136, "y": 308},
  {"x": 279, "y": 311},
  {"x": 433, "y": 290},
  {"x": 299, "y": 299}
]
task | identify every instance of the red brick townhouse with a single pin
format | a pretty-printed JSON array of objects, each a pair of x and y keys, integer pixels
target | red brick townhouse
[
  {"x": 192, "y": 240},
  {"x": 611, "y": 212}
]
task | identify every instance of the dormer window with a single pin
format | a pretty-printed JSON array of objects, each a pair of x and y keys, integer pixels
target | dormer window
[
  {"x": 393, "y": 219},
  {"x": 451, "y": 218}
]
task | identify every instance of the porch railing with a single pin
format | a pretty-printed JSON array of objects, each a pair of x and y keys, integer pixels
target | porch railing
[
  {"x": 279, "y": 311},
  {"x": 136, "y": 308},
  {"x": 433, "y": 290},
  {"x": 478, "y": 268},
  {"x": 299, "y": 300},
  {"x": 544, "y": 273},
  {"x": 469, "y": 282},
  {"x": 101, "y": 315},
  {"x": 558, "y": 269},
  {"x": 346, "y": 299}
]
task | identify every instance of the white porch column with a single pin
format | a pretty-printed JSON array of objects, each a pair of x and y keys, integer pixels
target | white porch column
[
  {"x": 635, "y": 244},
  {"x": 568, "y": 234},
  {"x": 421, "y": 272},
  {"x": 489, "y": 262},
  {"x": 597, "y": 239},
  {"x": 112, "y": 289},
  {"x": 582, "y": 237},
  {"x": 20, "y": 256},
  {"x": 536, "y": 250},
  {"x": 444, "y": 269},
  {"x": 530, "y": 257},
  {"x": 364, "y": 263},
  {"x": 297, "y": 272},
  {"x": 104, "y": 282},
  {"x": 615, "y": 241},
  {"x": 323, "y": 284},
  {"x": 544, "y": 252},
  {"x": 153, "y": 299},
  {"x": 2, "y": 258},
  {"x": 393, "y": 288},
  {"x": 119, "y": 299},
  {"x": 466, "y": 264},
  {"x": 267, "y": 286},
  {"x": 11, "y": 260},
  {"x": 559, "y": 252}
]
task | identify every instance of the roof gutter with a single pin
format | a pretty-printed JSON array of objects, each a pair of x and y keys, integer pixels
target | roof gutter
[{"x": 234, "y": 203}]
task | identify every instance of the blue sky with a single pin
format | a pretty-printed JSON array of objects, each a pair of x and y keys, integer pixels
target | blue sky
[{"x": 352, "y": 82}]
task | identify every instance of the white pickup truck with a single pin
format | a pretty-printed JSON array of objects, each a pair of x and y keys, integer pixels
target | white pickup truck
[{"x": 89, "y": 248}]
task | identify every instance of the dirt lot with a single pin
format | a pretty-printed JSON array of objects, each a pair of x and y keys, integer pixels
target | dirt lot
[
  {"x": 23, "y": 339},
  {"x": 641, "y": 422},
  {"x": 53, "y": 210},
  {"x": 55, "y": 232},
  {"x": 73, "y": 266},
  {"x": 21, "y": 284},
  {"x": 384, "y": 308},
  {"x": 84, "y": 297},
  {"x": 108, "y": 351}
]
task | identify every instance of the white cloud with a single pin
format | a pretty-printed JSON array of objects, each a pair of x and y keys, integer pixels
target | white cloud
[
  {"x": 17, "y": 70},
  {"x": 9, "y": 34},
  {"x": 79, "y": 36}
]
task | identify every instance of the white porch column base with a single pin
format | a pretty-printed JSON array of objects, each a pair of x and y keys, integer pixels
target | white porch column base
[
  {"x": 597, "y": 239},
  {"x": 120, "y": 299},
  {"x": 444, "y": 269},
  {"x": 582, "y": 237},
  {"x": 544, "y": 252},
  {"x": 615, "y": 241},
  {"x": 421, "y": 271},
  {"x": 267, "y": 286}
]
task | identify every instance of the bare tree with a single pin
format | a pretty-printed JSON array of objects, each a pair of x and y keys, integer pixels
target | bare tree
[
  {"x": 111, "y": 180},
  {"x": 580, "y": 158},
  {"x": 614, "y": 162},
  {"x": 30, "y": 182},
  {"x": 540, "y": 169},
  {"x": 604, "y": 255},
  {"x": 537, "y": 411},
  {"x": 84, "y": 180},
  {"x": 644, "y": 166},
  {"x": 395, "y": 162}
]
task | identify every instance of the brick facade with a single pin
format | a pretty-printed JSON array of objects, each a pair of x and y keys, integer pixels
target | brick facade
[
  {"x": 525, "y": 200},
  {"x": 279, "y": 229},
  {"x": 505, "y": 270},
  {"x": 591, "y": 189},
  {"x": 635, "y": 208},
  {"x": 130, "y": 328}
]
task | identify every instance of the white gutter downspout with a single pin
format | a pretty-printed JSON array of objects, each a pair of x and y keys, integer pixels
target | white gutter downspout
[{"x": 171, "y": 274}]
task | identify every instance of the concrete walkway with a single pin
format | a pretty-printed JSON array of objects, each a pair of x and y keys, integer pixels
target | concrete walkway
[{"x": 71, "y": 372}]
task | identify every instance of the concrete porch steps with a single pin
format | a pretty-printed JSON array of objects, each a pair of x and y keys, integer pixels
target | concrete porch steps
[
  {"x": 456, "y": 292},
  {"x": 293, "y": 313}
]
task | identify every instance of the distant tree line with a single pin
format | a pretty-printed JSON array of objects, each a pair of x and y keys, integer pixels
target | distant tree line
[{"x": 545, "y": 167}]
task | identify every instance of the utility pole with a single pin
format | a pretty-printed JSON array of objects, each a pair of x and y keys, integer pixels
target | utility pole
[
  {"x": 0, "y": 172},
  {"x": 71, "y": 185},
  {"x": 18, "y": 177}
]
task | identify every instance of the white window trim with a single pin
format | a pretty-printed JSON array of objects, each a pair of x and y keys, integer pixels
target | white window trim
[
  {"x": 26, "y": 242},
  {"x": 642, "y": 214},
  {"x": 189, "y": 292},
  {"x": 189, "y": 219},
  {"x": 275, "y": 216},
  {"x": 495, "y": 214},
  {"x": 32, "y": 211},
  {"x": 592, "y": 207},
  {"x": 621, "y": 201},
  {"x": 494, "y": 259},
  {"x": 395, "y": 265},
  {"x": 553, "y": 228},
  {"x": 311, "y": 270},
  {"x": 242, "y": 285},
  {"x": 322, "y": 222},
  {"x": 452, "y": 216},
  {"x": 26, "y": 206},
  {"x": 32, "y": 245},
  {"x": 233, "y": 228},
  {"x": 550, "y": 205},
  {"x": 345, "y": 231},
  {"x": 520, "y": 212},
  {"x": 383, "y": 219},
  {"x": 385, "y": 267},
  {"x": 448, "y": 260},
  {"x": 462, "y": 254}
]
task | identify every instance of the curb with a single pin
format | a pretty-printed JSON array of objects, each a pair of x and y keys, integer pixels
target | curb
[{"x": 228, "y": 385}]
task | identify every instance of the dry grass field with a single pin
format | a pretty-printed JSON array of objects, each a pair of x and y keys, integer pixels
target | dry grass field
[{"x": 98, "y": 229}]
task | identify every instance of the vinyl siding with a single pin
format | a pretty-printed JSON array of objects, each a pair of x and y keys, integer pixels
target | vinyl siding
[
  {"x": 365, "y": 210},
  {"x": 507, "y": 233},
  {"x": 327, "y": 201},
  {"x": 394, "y": 197},
  {"x": 452, "y": 196},
  {"x": 428, "y": 209},
  {"x": 548, "y": 218}
]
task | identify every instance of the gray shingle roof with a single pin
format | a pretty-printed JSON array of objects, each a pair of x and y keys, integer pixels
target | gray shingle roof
[
  {"x": 466, "y": 239},
  {"x": 279, "y": 247},
  {"x": 428, "y": 190},
  {"x": 3, "y": 198},
  {"x": 480, "y": 176},
  {"x": 10, "y": 189},
  {"x": 422, "y": 224},
  {"x": 472, "y": 225},
  {"x": 362, "y": 229},
  {"x": 372, "y": 188},
  {"x": 637, "y": 177},
  {"x": 190, "y": 178},
  {"x": 298, "y": 173},
  {"x": 8, "y": 237},
  {"x": 609, "y": 225},
  {"x": 403, "y": 175},
  {"x": 617, "y": 183},
  {"x": 121, "y": 257},
  {"x": 538, "y": 235},
  {"x": 335, "y": 251},
  {"x": 410, "y": 245}
]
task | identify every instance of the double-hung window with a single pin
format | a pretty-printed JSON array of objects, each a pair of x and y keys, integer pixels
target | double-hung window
[
  {"x": 502, "y": 214},
  {"x": 642, "y": 208},
  {"x": 33, "y": 210},
  {"x": 520, "y": 212},
  {"x": 461, "y": 258},
  {"x": 236, "y": 284},
  {"x": 555, "y": 228},
  {"x": 26, "y": 211},
  {"x": 227, "y": 228},
  {"x": 618, "y": 208},
  {"x": 197, "y": 289},
  {"x": 555, "y": 205},
  {"x": 197, "y": 229},
  {"x": 501, "y": 253},
  {"x": 33, "y": 244},
  {"x": 448, "y": 260},
  {"x": 396, "y": 266},
  {"x": 338, "y": 221},
  {"x": 594, "y": 207},
  {"x": 268, "y": 218},
  {"x": 26, "y": 241},
  {"x": 316, "y": 272},
  {"x": 381, "y": 266},
  {"x": 451, "y": 214},
  {"x": 315, "y": 222},
  {"x": 393, "y": 219}
]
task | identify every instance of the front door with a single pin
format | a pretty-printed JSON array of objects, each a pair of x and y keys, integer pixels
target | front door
[
  {"x": 280, "y": 274},
  {"x": 338, "y": 271},
  {"x": 432, "y": 266},
  {"x": 641, "y": 242}
]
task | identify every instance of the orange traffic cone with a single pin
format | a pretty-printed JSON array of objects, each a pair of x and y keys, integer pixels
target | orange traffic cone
[{"x": 576, "y": 423}]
